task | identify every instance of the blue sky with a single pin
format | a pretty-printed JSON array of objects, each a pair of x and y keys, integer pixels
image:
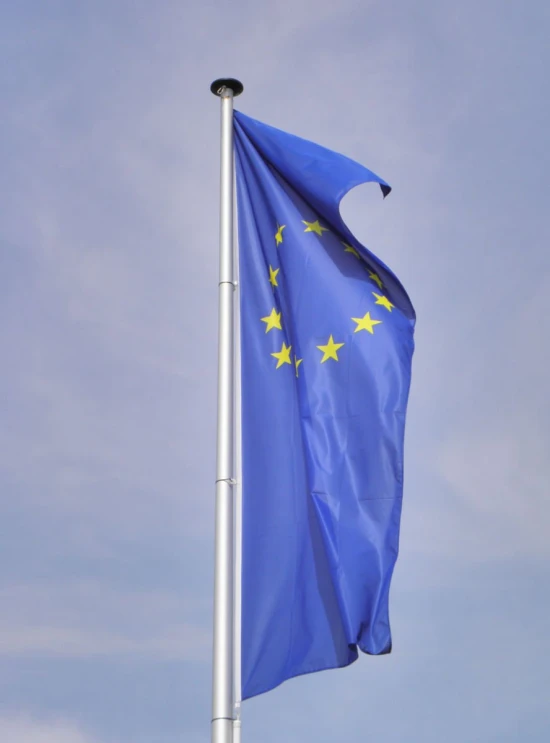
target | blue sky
[{"x": 108, "y": 291}]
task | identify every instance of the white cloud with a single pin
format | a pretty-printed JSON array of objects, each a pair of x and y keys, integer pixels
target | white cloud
[
  {"x": 183, "y": 643},
  {"x": 502, "y": 481},
  {"x": 80, "y": 620},
  {"x": 25, "y": 730}
]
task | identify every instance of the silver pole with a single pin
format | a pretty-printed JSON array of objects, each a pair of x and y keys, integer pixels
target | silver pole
[
  {"x": 222, "y": 673},
  {"x": 238, "y": 491}
]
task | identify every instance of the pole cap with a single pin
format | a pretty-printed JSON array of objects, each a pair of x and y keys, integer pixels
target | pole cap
[{"x": 227, "y": 82}]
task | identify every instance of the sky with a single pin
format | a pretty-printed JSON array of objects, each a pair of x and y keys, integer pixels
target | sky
[{"x": 108, "y": 326}]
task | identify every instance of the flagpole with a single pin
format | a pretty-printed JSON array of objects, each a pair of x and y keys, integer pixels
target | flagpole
[
  {"x": 238, "y": 493},
  {"x": 222, "y": 672}
]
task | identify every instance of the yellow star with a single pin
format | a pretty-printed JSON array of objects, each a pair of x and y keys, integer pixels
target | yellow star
[
  {"x": 279, "y": 233},
  {"x": 273, "y": 275},
  {"x": 314, "y": 227},
  {"x": 365, "y": 323},
  {"x": 384, "y": 301},
  {"x": 350, "y": 249},
  {"x": 282, "y": 356},
  {"x": 329, "y": 351},
  {"x": 272, "y": 321},
  {"x": 297, "y": 363},
  {"x": 376, "y": 278}
]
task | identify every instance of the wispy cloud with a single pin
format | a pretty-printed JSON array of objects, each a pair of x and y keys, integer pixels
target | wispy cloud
[
  {"x": 25, "y": 730},
  {"x": 85, "y": 620}
]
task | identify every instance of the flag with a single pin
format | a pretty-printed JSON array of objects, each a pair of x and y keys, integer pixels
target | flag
[{"x": 326, "y": 349}]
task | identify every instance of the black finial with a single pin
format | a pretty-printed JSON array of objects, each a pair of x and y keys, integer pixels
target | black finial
[{"x": 227, "y": 82}]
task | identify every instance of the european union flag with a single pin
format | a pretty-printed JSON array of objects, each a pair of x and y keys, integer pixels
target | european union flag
[{"x": 327, "y": 343}]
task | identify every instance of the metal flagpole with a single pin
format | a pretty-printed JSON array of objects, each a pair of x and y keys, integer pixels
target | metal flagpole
[
  {"x": 222, "y": 674},
  {"x": 238, "y": 491}
]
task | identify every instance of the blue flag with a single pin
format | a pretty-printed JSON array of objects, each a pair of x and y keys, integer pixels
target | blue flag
[{"x": 326, "y": 349}]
